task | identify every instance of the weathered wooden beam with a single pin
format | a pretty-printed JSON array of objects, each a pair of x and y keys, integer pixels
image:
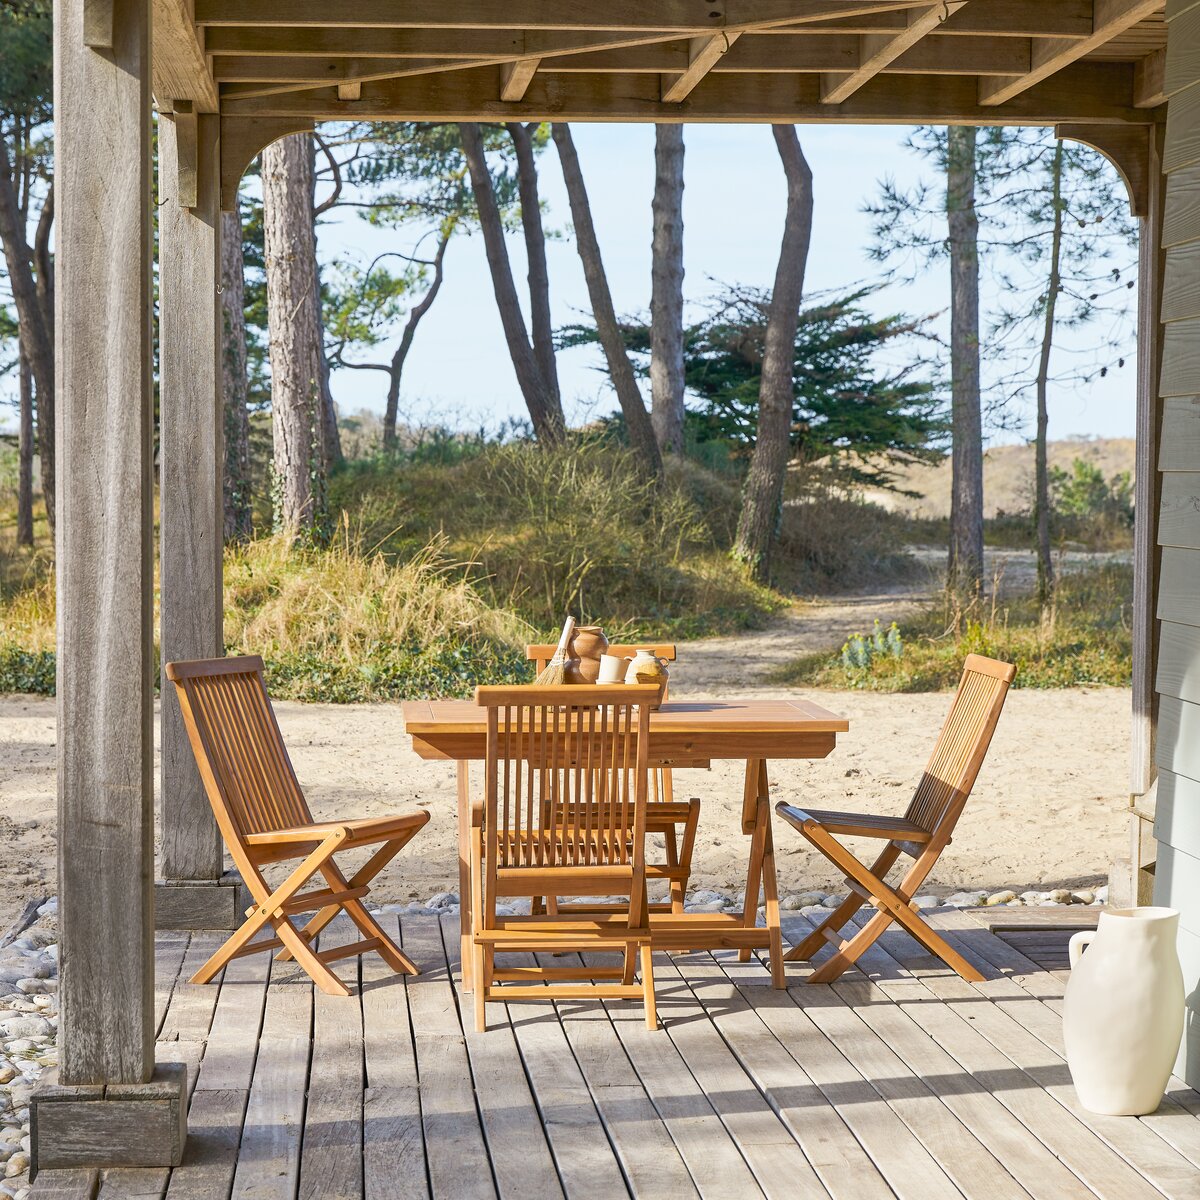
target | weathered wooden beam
[
  {"x": 98, "y": 24},
  {"x": 1050, "y": 55},
  {"x": 752, "y": 54},
  {"x": 184, "y": 150},
  {"x": 1097, "y": 93},
  {"x": 242, "y": 140},
  {"x": 703, "y": 54},
  {"x": 190, "y": 473},
  {"x": 678, "y": 16},
  {"x": 1149, "y": 80},
  {"x": 1001, "y": 18},
  {"x": 878, "y": 50},
  {"x": 181, "y": 70},
  {"x": 515, "y": 78},
  {"x": 1127, "y": 147},
  {"x": 1147, "y": 480},
  {"x": 105, "y": 559}
]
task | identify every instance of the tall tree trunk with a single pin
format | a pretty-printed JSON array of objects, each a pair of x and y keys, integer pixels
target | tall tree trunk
[
  {"x": 294, "y": 328},
  {"x": 396, "y": 366},
  {"x": 239, "y": 513},
  {"x": 620, "y": 369},
  {"x": 762, "y": 496},
  {"x": 666, "y": 290},
  {"x": 535, "y": 253},
  {"x": 1045, "y": 564},
  {"x": 35, "y": 325},
  {"x": 965, "y": 577},
  {"x": 545, "y": 408},
  {"x": 25, "y": 454}
]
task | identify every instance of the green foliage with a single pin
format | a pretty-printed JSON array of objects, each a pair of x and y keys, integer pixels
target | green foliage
[
  {"x": 26, "y": 670},
  {"x": 851, "y": 406},
  {"x": 861, "y": 650},
  {"x": 26, "y": 59},
  {"x": 1083, "y": 492},
  {"x": 542, "y": 531},
  {"x": 1085, "y": 641}
]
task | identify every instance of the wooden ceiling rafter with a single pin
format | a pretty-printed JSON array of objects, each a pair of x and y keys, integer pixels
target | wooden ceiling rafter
[
  {"x": 1050, "y": 55},
  {"x": 876, "y": 51},
  {"x": 547, "y": 43}
]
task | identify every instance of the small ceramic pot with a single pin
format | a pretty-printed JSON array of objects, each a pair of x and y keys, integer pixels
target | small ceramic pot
[
  {"x": 588, "y": 645},
  {"x": 612, "y": 668}
]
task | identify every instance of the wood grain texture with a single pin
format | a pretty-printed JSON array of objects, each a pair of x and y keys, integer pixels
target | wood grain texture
[
  {"x": 1179, "y": 737},
  {"x": 191, "y": 465},
  {"x": 105, "y": 564},
  {"x": 1181, "y": 221},
  {"x": 1181, "y": 283},
  {"x": 1181, "y": 359},
  {"x": 1179, "y": 514},
  {"x": 1183, "y": 123},
  {"x": 1179, "y": 662},
  {"x": 181, "y": 71},
  {"x": 1183, "y": 56},
  {"x": 1179, "y": 585}
]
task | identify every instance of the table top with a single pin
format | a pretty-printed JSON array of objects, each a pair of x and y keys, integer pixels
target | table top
[
  {"x": 424, "y": 717},
  {"x": 682, "y": 732}
]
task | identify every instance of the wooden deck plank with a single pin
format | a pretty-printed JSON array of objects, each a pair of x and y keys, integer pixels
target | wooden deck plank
[
  {"x": 331, "y": 1158},
  {"x": 268, "y": 1166},
  {"x": 583, "y": 1155},
  {"x": 823, "y": 1131},
  {"x": 521, "y": 1160},
  {"x": 210, "y": 1156},
  {"x": 1066, "y": 1137},
  {"x": 230, "y": 1050},
  {"x": 1172, "y": 1122},
  {"x": 650, "y": 1161},
  {"x": 454, "y": 1144},
  {"x": 133, "y": 1183},
  {"x": 169, "y": 953},
  {"x": 394, "y": 1166},
  {"x": 731, "y": 1142}
]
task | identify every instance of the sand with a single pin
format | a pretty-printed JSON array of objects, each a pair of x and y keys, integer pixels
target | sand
[{"x": 1048, "y": 810}]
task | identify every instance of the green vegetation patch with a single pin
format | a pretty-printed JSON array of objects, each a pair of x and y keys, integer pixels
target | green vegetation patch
[{"x": 1087, "y": 640}]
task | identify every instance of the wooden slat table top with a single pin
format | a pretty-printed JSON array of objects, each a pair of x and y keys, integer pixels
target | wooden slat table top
[{"x": 682, "y": 732}]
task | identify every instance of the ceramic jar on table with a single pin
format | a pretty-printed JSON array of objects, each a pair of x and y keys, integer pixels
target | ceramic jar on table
[
  {"x": 588, "y": 644},
  {"x": 1123, "y": 1010}
]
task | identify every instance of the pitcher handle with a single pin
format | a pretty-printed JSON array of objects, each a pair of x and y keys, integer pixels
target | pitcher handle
[{"x": 1075, "y": 946}]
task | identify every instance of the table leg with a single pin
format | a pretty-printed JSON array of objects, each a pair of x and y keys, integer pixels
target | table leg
[
  {"x": 466, "y": 956},
  {"x": 761, "y": 872},
  {"x": 756, "y": 771}
]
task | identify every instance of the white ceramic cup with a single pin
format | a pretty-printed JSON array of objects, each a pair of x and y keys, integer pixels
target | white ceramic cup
[{"x": 612, "y": 669}]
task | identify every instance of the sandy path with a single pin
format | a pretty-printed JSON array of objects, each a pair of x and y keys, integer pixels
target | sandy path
[{"x": 1049, "y": 808}]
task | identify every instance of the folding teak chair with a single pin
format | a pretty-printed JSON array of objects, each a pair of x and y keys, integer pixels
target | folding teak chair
[
  {"x": 674, "y": 820},
  {"x": 264, "y": 818},
  {"x": 921, "y": 834},
  {"x": 564, "y": 814}
]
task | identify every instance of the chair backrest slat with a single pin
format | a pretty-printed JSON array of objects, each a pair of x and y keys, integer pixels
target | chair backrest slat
[
  {"x": 566, "y": 776},
  {"x": 243, "y": 762},
  {"x": 954, "y": 764}
]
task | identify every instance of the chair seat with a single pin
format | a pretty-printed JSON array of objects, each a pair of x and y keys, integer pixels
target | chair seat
[
  {"x": 853, "y": 824},
  {"x": 363, "y": 830}
]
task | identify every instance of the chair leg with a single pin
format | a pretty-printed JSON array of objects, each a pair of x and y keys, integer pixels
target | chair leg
[
  {"x": 647, "y": 956},
  {"x": 851, "y": 951},
  {"x": 836, "y": 920},
  {"x": 936, "y": 945},
  {"x": 478, "y": 956},
  {"x": 307, "y": 959}
]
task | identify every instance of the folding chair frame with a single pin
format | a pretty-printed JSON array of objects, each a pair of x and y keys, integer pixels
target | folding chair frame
[
  {"x": 922, "y": 834},
  {"x": 314, "y": 844}
]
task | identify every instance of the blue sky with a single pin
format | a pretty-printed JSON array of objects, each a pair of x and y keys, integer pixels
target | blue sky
[{"x": 459, "y": 370}]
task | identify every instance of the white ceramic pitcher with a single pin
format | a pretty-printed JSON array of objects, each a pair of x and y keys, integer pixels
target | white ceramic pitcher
[{"x": 1123, "y": 1010}]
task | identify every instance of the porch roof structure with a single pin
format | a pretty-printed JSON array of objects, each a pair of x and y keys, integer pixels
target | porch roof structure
[{"x": 227, "y": 77}]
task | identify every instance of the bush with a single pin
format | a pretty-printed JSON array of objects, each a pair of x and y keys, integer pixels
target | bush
[
  {"x": 577, "y": 527},
  {"x": 1087, "y": 640}
]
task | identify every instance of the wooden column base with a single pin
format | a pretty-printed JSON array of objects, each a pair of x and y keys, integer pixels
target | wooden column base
[
  {"x": 109, "y": 1125},
  {"x": 201, "y": 903}
]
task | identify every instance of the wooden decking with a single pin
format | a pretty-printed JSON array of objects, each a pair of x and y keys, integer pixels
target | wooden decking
[{"x": 900, "y": 1080}]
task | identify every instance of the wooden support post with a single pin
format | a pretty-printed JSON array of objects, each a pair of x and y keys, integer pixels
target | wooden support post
[
  {"x": 191, "y": 458},
  {"x": 105, "y": 568}
]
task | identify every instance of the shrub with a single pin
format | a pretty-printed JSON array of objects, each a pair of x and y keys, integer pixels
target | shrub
[{"x": 1087, "y": 640}]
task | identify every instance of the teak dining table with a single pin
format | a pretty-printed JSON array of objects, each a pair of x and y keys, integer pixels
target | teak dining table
[{"x": 682, "y": 734}]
